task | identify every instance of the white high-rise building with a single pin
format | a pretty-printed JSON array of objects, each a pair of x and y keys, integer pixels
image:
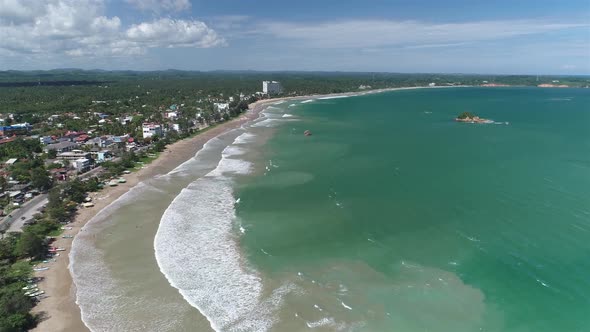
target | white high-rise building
[{"x": 271, "y": 87}]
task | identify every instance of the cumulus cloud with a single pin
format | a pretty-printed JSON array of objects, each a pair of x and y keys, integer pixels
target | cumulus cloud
[
  {"x": 80, "y": 28},
  {"x": 386, "y": 33},
  {"x": 159, "y": 6},
  {"x": 19, "y": 11},
  {"x": 172, "y": 33}
]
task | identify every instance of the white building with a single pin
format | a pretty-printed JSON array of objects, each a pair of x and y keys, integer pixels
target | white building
[
  {"x": 171, "y": 115},
  {"x": 271, "y": 87},
  {"x": 127, "y": 119},
  {"x": 81, "y": 165},
  {"x": 221, "y": 107},
  {"x": 151, "y": 129},
  {"x": 46, "y": 140}
]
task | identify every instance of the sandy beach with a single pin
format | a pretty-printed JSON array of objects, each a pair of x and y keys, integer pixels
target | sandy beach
[{"x": 59, "y": 309}]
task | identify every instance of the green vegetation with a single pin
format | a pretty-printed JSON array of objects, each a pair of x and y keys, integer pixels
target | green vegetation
[
  {"x": 465, "y": 115},
  {"x": 19, "y": 250},
  {"x": 19, "y": 148}
]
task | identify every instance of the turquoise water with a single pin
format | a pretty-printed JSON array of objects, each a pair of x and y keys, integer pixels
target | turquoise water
[{"x": 393, "y": 217}]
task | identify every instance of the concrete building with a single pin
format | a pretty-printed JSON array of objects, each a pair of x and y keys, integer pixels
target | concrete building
[
  {"x": 73, "y": 155},
  {"x": 81, "y": 165},
  {"x": 221, "y": 107},
  {"x": 46, "y": 140},
  {"x": 103, "y": 156},
  {"x": 151, "y": 129},
  {"x": 171, "y": 115},
  {"x": 126, "y": 120},
  {"x": 15, "y": 129},
  {"x": 271, "y": 87},
  {"x": 10, "y": 162},
  {"x": 60, "y": 147}
]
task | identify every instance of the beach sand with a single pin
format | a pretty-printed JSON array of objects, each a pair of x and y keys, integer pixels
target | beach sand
[{"x": 59, "y": 309}]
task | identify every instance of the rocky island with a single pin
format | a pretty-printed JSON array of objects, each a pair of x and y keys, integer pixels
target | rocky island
[{"x": 471, "y": 118}]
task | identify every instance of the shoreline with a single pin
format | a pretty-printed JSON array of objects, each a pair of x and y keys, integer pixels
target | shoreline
[{"x": 60, "y": 310}]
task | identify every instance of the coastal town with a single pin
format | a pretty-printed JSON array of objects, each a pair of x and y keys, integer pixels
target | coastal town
[
  {"x": 59, "y": 158},
  {"x": 53, "y": 168}
]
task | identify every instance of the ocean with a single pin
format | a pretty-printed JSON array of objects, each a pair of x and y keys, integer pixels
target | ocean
[{"x": 391, "y": 216}]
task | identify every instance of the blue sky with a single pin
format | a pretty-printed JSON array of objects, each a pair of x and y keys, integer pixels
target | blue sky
[{"x": 456, "y": 36}]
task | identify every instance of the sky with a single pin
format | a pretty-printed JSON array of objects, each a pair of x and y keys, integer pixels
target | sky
[{"x": 409, "y": 36}]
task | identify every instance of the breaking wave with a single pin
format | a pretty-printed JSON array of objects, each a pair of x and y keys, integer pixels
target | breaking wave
[{"x": 197, "y": 250}]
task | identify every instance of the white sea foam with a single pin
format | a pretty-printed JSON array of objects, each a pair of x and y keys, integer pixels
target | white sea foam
[
  {"x": 245, "y": 138},
  {"x": 292, "y": 105},
  {"x": 232, "y": 150},
  {"x": 199, "y": 255},
  {"x": 197, "y": 162},
  {"x": 287, "y": 115},
  {"x": 97, "y": 294},
  {"x": 267, "y": 123},
  {"x": 322, "y": 322},
  {"x": 333, "y": 97},
  {"x": 229, "y": 165},
  {"x": 307, "y": 101},
  {"x": 542, "y": 283}
]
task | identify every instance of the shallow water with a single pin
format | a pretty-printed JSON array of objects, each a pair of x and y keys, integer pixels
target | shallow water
[{"x": 394, "y": 217}]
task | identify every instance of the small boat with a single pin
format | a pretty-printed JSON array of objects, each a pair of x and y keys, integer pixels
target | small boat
[
  {"x": 37, "y": 293},
  {"x": 87, "y": 205},
  {"x": 41, "y": 269},
  {"x": 121, "y": 180},
  {"x": 29, "y": 287},
  {"x": 127, "y": 172},
  {"x": 60, "y": 249},
  {"x": 88, "y": 199},
  {"x": 67, "y": 236},
  {"x": 113, "y": 183},
  {"x": 307, "y": 133}
]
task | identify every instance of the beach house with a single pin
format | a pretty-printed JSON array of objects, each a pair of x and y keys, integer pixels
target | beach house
[{"x": 151, "y": 129}]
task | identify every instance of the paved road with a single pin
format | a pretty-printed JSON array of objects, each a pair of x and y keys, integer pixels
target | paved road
[{"x": 27, "y": 210}]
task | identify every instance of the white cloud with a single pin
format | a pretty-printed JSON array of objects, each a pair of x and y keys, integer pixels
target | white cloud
[
  {"x": 19, "y": 11},
  {"x": 80, "y": 28},
  {"x": 159, "y": 6},
  {"x": 386, "y": 33},
  {"x": 170, "y": 33}
]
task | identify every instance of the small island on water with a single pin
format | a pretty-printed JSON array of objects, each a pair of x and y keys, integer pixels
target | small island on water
[{"x": 471, "y": 118}]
